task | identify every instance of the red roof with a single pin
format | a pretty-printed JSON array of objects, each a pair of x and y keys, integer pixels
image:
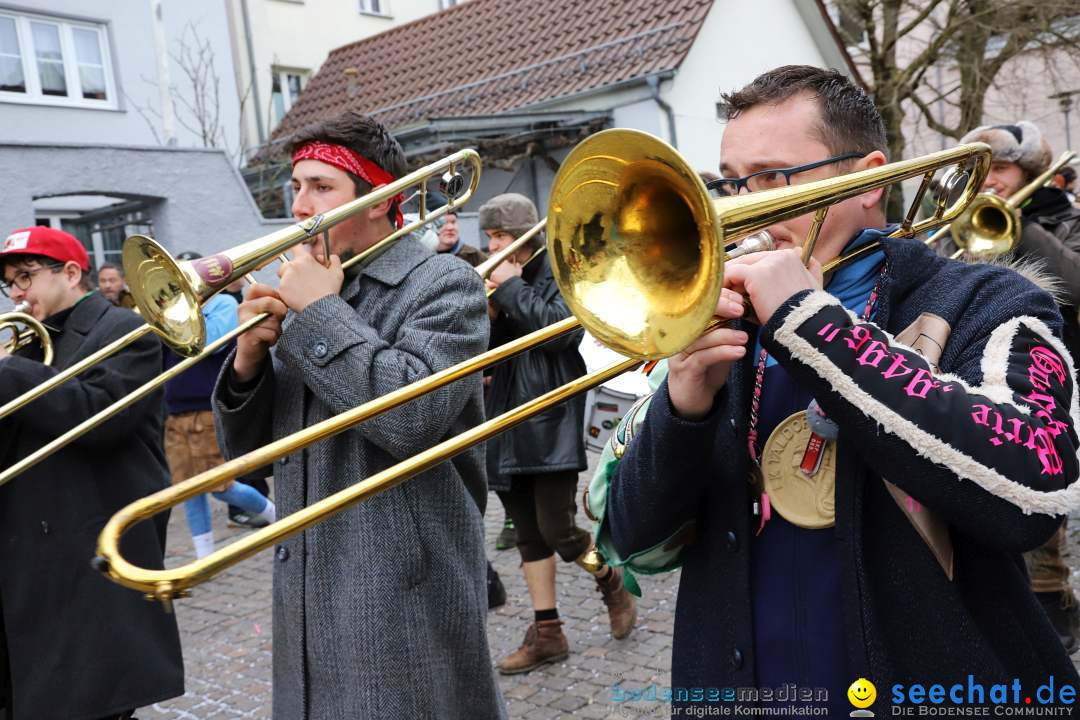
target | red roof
[{"x": 489, "y": 56}]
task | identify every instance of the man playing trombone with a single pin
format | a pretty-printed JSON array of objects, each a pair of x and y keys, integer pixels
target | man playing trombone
[
  {"x": 78, "y": 647},
  {"x": 848, "y": 486},
  {"x": 380, "y": 611},
  {"x": 534, "y": 466}
]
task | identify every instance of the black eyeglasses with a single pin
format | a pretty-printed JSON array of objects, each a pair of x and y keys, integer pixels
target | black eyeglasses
[
  {"x": 25, "y": 278},
  {"x": 770, "y": 179}
]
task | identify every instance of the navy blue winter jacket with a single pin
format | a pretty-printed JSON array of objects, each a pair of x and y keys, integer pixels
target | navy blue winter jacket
[{"x": 988, "y": 444}]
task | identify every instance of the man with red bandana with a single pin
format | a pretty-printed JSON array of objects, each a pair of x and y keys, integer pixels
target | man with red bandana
[{"x": 379, "y": 611}]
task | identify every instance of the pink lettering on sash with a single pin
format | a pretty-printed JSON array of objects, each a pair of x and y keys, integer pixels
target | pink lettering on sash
[
  {"x": 1046, "y": 372},
  {"x": 1044, "y": 362},
  {"x": 898, "y": 368},
  {"x": 829, "y": 332},
  {"x": 1048, "y": 454},
  {"x": 875, "y": 352},
  {"x": 859, "y": 336},
  {"x": 921, "y": 384}
]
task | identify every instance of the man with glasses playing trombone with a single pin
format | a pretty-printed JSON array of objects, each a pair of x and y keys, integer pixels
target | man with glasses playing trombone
[
  {"x": 380, "y": 611},
  {"x": 848, "y": 485},
  {"x": 77, "y": 646}
]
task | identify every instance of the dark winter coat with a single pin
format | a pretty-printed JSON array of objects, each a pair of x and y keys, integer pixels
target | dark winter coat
[
  {"x": 81, "y": 646},
  {"x": 553, "y": 440},
  {"x": 1051, "y": 233},
  {"x": 989, "y": 444}
]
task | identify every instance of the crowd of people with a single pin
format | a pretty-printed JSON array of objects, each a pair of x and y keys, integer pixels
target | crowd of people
[{"x": 926, "y": 407}]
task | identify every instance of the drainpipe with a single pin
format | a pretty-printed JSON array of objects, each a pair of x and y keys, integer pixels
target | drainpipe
[
  {"x": 654, "y": 83},
  {"x": 256, "y": 104}
]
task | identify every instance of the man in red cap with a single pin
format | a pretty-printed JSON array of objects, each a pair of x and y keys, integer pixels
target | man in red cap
[{"x": 74, "y": 646}]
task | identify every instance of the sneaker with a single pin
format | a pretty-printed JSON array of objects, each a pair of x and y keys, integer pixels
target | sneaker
[
  {"x": 507, "y": 536},
  {"x": 544, "y": 643},
  {"x": 242, "y": 519},
  {"x": 496, "y": 591}
]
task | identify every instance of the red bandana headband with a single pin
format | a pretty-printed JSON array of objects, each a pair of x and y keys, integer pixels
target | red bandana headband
[{"x": 349, "y": 160}]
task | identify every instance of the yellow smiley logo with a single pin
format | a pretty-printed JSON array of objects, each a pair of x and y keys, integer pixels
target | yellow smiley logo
[{"x": 862, "y": 693}]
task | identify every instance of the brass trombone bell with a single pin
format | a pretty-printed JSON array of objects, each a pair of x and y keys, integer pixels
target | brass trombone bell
[
  {"x": 643, "y": 233},
  {"x": 636, "y": 241},
  {"x": 25, "y": 329},
  {"x": 991, "y": 225}
]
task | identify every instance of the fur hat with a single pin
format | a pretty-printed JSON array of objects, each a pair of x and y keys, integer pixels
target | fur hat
[
  {"x": 1021, "y": 143},
  {"x": 510, "y": 212}
]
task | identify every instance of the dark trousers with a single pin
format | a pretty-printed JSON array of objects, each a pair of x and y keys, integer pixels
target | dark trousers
[{"x": 543, "y": 507}]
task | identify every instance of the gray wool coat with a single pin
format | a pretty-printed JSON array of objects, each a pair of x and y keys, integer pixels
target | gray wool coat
[{"x": 380, "y": 611}]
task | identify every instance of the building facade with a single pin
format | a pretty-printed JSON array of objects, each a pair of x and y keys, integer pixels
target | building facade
[
  {"x": 560, "y": 71},
  {"x": 120, "y": 117},
  {"x": 278, "y": 45}
]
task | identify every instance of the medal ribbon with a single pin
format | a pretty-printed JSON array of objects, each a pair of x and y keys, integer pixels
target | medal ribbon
[{"x": 755, "y": 401}]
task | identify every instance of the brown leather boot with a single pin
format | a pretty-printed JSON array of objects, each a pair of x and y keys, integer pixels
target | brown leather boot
[
  {"x": 622, "y": 610},
  {"x": 544, "y": 643}
]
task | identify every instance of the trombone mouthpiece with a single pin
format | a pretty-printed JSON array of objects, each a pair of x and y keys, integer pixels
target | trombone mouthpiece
[
  {"x": 23, "y": 307},
  {"x": 758, "y": 242}
]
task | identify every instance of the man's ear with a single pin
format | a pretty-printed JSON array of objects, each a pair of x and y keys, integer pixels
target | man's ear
[
  {"x": 73, "y": 272},
  {"x": 873, "y": 160},
  {"x": 376, "y": 212},
  {"x": 870, "y": 160}
]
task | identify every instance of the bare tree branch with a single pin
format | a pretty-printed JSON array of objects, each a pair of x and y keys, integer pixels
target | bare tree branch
[
  {"x": 932, "y": 123},
  {"x": 936, "y": 60},
  {"x": 919, "y": 18},
  {"x": 145, "y": 113}
]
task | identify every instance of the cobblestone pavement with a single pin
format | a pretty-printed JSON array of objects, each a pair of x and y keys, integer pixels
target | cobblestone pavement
[{"x": 226, "y": 634}]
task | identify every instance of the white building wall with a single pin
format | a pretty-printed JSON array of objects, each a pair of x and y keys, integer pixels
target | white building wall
[
  {"x": 135, "y": 117},
  {"x": 299, "y": 35},
  {"x": 728, "y": 53},
  {"x": 737, "y": 42}
]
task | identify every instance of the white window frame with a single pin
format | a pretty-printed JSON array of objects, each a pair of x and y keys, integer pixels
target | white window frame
[
  {"x": 282, "y": 75},
  {"x": 33, "y": 94},
  {"x": 366, "y": 8}
]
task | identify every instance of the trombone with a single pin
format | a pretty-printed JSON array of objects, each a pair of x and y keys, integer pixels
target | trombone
[
  {"x": 169, "y": 293},
  {"x": 991, "y": 225},
  {"x": 627, "y": 216},
  {"x": 25, "y": 329}
]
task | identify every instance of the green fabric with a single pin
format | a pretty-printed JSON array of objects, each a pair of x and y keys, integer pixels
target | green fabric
[{"x": 663, "y": 557}]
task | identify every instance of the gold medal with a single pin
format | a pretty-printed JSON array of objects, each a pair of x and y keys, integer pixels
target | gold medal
[{"x": 806, "y": 500}]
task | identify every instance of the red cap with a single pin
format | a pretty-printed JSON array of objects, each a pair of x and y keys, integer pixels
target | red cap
[{"x": 47, "y": 241}]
